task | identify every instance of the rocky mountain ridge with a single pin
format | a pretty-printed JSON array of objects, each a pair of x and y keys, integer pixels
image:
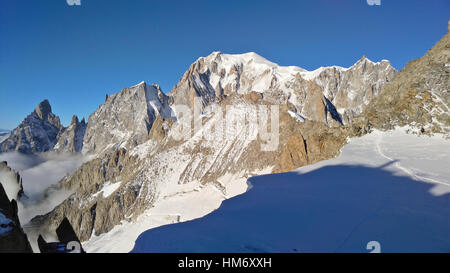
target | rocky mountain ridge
[
  {"x": 125, "y": 119},
  {"x": 418, "y": 97},
  {"x": 41, "y": 131},
  {"x": 70, "y": 139}
]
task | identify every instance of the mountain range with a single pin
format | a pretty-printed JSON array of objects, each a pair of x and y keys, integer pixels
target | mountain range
[{"x": 143, "y": 153}]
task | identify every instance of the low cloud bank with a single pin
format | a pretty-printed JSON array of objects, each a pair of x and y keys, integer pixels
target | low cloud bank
[
  {"x": 9, "y": 183},
  {"x": 38, "y": 173}
]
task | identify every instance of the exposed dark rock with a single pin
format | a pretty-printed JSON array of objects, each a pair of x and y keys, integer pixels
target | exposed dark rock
[
  {"x": 12, "y": 237},
  {"x": 68, "y": 240}
]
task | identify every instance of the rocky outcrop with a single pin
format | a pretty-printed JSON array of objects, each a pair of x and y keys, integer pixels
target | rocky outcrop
[
  {"x": 125, "y": 119},
  {"x": 12, "y": 237},
  {"x": 37, "y": 133},
  {"x": 102, "y": 196},
  {"x": 160, "y": 128},
  {"x": 418, "y": 97},
  {"x": 70, "y": 139},
  {"x": 306, "y": 143}
]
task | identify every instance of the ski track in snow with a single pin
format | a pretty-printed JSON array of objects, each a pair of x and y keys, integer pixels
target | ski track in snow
[{"x": 409, "y": 172}]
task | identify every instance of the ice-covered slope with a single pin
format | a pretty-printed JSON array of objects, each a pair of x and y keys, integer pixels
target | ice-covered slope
[{"x": 388, "y": 187}]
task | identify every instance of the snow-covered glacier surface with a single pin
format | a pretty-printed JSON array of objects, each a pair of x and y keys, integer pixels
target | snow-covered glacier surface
[{"x": 388, "y": 187}]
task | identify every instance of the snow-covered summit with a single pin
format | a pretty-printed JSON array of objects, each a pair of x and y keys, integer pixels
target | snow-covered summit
[{"x": 346, "y": 89}]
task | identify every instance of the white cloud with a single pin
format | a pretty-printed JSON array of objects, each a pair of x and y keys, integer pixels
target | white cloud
[{"x": 39, "y": 172}]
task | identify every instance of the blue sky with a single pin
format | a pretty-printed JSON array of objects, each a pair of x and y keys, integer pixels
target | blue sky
[{"x": 74, "y": 55}]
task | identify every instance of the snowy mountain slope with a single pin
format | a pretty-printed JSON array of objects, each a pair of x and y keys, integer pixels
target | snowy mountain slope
[
  {"x": 188, "y": 201},
  {"x": 347, "y": 89},
  {"x": 373, "y": 191}
]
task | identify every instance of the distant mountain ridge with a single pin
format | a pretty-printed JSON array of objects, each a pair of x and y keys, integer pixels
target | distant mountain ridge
[{"x": 39, "y": 132}]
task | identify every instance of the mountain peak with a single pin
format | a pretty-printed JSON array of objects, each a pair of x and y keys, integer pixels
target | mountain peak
[
  {"x": 45, "y": 127},
  {"x": 142, "y": 83},
  {"x": 74, "y": 119},
  {"x": 43, "y": 109},
  {"x": 363, "y": 59}
]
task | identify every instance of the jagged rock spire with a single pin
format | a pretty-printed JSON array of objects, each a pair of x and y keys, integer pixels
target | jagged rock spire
[
  {"x": 43, "y": 109},
  {"x": 74, "y": 119}
]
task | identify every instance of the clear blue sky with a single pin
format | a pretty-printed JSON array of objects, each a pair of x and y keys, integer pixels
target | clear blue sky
[{"x": 74, "y": 55}]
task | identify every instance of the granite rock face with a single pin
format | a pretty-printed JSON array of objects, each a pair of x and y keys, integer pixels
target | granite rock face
[
  {"x": 125, "y": 119},
  {"x": 70, "y": 139},
  {"x": 37, "y": 133}
]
